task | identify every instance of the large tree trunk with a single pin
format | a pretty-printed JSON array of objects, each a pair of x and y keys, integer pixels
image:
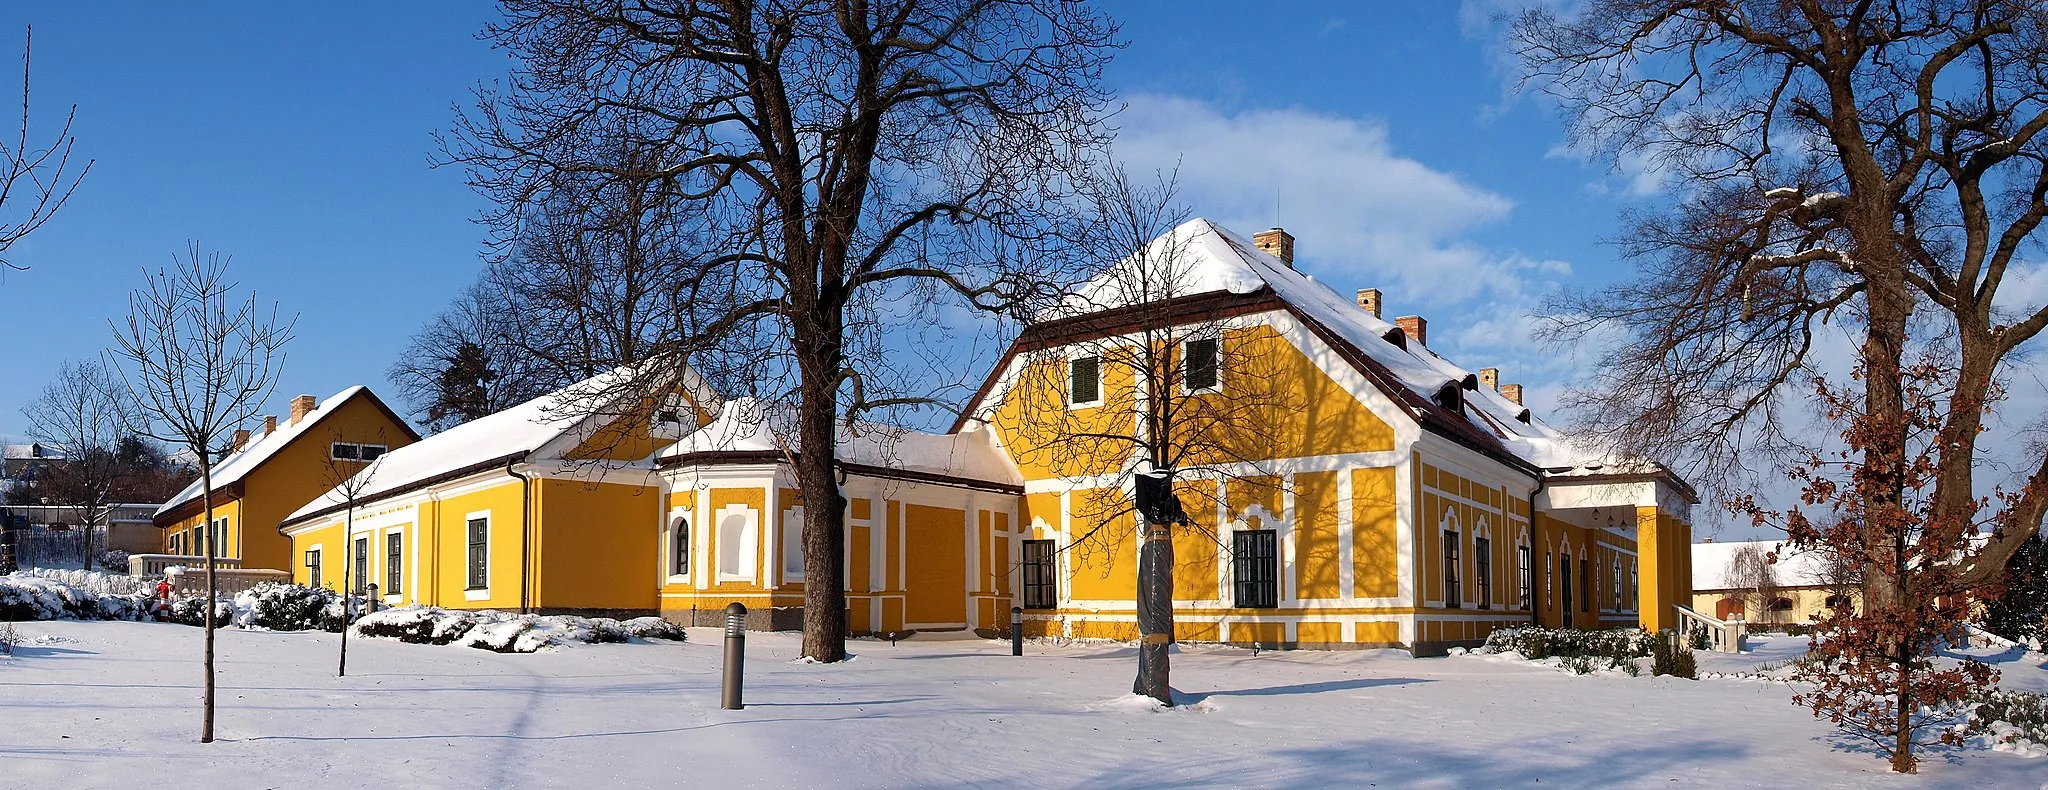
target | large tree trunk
[
  {"x": 824, "y": 533},
  {"x": 1155, "y": 614}
]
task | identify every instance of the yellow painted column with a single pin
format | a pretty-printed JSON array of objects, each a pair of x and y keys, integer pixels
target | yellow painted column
[{"x": 1655, "y": 571}]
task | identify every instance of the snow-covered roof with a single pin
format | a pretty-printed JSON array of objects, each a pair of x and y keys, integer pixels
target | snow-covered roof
[
  {"x": 1712, "y": 561},
  {"x": 260, "y": 448},
  {"x": 513, "y": 432},
  {"x": 1201, "y": 257},
  {"x": 747, "y": 425},
  {"x": 23, "y": 452}
]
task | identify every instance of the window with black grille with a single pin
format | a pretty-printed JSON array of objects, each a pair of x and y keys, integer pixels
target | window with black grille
[
  {"x": 1201, "y": 364},
  {"x": 394, "y": 562},
  {"x": 362, "y": 565},
  {"x": 1482, "y": 553},
  {"x": 1526, "y": 563},
  {"x": 1451, "y": 597},
  {"x": 1041, "y": 589},
  {"x": 1585, "y": 585},
  {"x": 1256, "y": 565}
]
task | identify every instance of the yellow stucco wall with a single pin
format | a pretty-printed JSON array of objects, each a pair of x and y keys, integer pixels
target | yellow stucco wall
[{"x": 596, "y": 545}]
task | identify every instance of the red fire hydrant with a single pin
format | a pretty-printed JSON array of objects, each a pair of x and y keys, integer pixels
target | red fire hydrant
[{"x": 163, "y": 601}]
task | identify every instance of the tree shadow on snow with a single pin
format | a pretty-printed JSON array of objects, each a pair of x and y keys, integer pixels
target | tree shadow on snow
[
  {"x": 1302, "y": 688},
  {"x": 1405, "y": 762}
]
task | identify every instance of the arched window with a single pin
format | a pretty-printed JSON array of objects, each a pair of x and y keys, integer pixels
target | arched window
[{"x": 679, "y": 547}]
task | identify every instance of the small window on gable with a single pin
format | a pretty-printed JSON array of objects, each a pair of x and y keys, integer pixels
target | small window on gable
[
  {"x": 352, "y": 451},
  {"x": 1450, "y": 396},
  {"x": 1084, "y": 380},
  {"x": 1201, "y": 362}
]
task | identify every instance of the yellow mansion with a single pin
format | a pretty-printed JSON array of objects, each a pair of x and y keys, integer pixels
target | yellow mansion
[{"x": 1343, "y": 486}]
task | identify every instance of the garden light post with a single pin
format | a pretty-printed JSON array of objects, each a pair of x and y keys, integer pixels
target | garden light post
[
  {"x": 735, "y": 654},
  {"x": 1016, "y": 630},
  {"x": 370, "y": 599}
]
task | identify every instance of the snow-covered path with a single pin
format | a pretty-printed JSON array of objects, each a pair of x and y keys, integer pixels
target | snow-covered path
[{"x": 100, "y": 704}]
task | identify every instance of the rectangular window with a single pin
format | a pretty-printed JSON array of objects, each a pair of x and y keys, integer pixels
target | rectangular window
[
  {"x": 1482, "y": 553},
  {"x": 359, "y": 579},
  {"x": 1084, "y": 380},
  {"x": 394, "y": 562},
  {"x": 220, "y": 536},
  {"x": 351, "y": 451},
  {"x": 313, "y": 567},
  {"x": 1585, "y": 585},
  {"x": 479, "y": 553},
  {"x": 1635, "y": 589},
  {"x": 1201, "y": 363},
  {"x": 1041, "y": 590},
  {"x": 1256, "y": 565},
  {"x": 1617, "y": 584},
  {"x": 1451, "y": 597},
  {"x": 177, "y": 543},
  {"x": 1527, "y": 570}
]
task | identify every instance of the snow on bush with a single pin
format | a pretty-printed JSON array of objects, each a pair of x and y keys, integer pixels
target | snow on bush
[
  {"x": 2010, "y": 721},
  {"x": 45, "y": 594},
  {"x": 288, "y": 607},
  {"x": 504, "y": 632}
]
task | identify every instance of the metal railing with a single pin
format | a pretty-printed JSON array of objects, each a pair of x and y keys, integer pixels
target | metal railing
[{"x": 1722, "y": 636}]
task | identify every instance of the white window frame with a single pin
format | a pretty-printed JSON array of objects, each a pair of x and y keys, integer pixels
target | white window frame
[
  {"x": 1183, "y": 383},
  {"x": 359, "y": 447},
  {"x": 668, "y": 559},
  {"x": 476, "y": 593},
  {"x": 403, "y": 544},
  {"x": 793, "y": 544},
  {"x": 1067, "y": 380}
]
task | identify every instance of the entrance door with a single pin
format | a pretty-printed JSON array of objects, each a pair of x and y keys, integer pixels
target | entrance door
[{"x": 1564, "y": 574}]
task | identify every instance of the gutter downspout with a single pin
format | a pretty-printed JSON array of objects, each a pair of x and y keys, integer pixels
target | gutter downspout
[
  {"x": 1535, "y": 615},
  {"x": 525, "y": 536}
]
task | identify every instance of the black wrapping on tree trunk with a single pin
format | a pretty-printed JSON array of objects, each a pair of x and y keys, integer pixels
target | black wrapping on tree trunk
[{"x": 1155, "y": 613}]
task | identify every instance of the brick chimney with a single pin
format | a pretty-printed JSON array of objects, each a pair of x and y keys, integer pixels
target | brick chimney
[
  {"x": 269, "y": 424},
  {"x": 302, "y": 406},
  {"x": 1369, "y": 298},
  {"x": 241, "y": 440},
  {"x": 1414, "y": 327},
  {"x": 1277, "y": 243},
  {"x": 1513, "y": 392},
  {"x": 1490, "y": 378}
]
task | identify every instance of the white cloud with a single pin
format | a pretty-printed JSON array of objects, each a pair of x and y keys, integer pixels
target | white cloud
[{"x": 1364, "y": 215}]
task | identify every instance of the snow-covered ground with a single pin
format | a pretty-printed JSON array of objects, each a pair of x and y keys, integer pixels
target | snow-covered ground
[{"x": 103, "y": 704}]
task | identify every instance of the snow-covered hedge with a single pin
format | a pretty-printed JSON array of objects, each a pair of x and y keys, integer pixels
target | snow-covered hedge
[
  {"x": 2011, "y": 721},
  {"x": 77, "y": 595},
  {"x": 1536, "y": 642},
  {"x": 505, "y": 632}
]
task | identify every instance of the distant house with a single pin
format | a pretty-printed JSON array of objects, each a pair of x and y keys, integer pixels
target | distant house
[
  {"x": 1804, "y": 592},
  {"x": 550, "y": 505},
  {"x": 23, "y": 464},
  {"x": 266, "y": 476}
]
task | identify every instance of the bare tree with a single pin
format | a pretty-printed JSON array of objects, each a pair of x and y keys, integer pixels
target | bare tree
[
  {"x": 1876, "y": 166},
  {"x": 83, "y": 414},
  {"x": 473, "y": 360},
  {"x": 33, "y": 181},
  {"x": 347, "y": 479},
  {"x": 1754, "y": 580},
  {"x": 199, "y": 361},
  {"x": 822, "y": 162},
  {"x": 1131, "y": 379}
]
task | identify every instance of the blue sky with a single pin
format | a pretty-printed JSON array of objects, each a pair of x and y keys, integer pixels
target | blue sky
[{"x": 297, "y": 137}]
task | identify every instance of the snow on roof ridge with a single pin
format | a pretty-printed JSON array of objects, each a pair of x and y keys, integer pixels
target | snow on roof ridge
[
  {"x": 261, "y": 447},
  {"x": 1222, "y": 260},
  {"x": 744, "y": 425},
  {"x": 519, "y": 429}
]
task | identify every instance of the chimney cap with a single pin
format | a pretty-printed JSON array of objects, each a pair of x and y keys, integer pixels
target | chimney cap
[
  {"x": 1277, "y": 243},
  {"x": 1415, "y": 327},
  {"x": 1370, "y": 298},
  {"x": 302, "y": 406}
]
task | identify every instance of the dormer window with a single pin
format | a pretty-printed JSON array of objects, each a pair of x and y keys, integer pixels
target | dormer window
[
  {"x": 1450, "y": 396},
  {"x": 1396, "y": 337}
]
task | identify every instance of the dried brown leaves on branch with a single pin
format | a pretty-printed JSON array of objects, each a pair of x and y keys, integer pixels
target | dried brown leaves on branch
[
  {"x": 794, "y": 173},
  {"x": 1865, "y": 173}
]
